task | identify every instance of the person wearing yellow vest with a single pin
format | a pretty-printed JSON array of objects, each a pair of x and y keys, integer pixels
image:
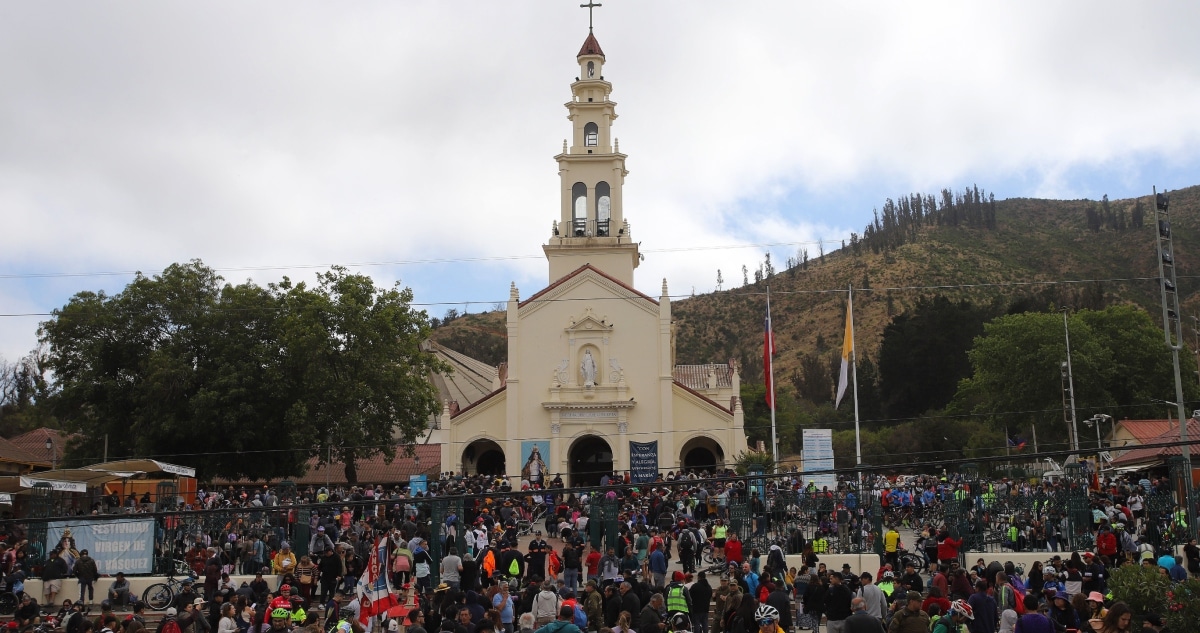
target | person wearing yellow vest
[{"x": 678, "y": 600}]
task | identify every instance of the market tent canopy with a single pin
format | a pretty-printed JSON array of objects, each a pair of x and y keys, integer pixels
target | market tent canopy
[
  {"x": 80, "y": 479},
  {"x": 151, "y": 466}
]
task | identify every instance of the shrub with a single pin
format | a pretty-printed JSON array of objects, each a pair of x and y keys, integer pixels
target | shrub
[
  {"x": 1182, "y": 612},
  {"x": 1144, "y": 589}
]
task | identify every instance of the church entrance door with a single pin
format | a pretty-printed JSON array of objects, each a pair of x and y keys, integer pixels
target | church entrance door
[
  {"x": 590, "y": 458},
  {"x": 701, "y": 454},
  {"x": 483, "y": 457}
]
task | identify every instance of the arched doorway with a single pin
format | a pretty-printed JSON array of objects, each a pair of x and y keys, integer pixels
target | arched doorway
[
  {"x": 483, "y": 457},
  {"x": 701, "y": 454},
  {"x": 590, "y": 458}
]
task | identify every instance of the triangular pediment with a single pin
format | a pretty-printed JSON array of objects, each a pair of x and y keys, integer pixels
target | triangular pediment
[
  {"x": 589, "y": 322},
  {"x": 602, "y": 287}
]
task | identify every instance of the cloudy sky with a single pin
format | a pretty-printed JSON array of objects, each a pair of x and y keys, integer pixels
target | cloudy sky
[{"x": 414, "y": 140}]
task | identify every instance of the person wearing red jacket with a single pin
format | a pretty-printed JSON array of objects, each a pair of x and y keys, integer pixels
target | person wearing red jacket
[{"x": 948, "y": 548}]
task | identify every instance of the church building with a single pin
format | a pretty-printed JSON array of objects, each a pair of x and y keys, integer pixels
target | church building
[{"x": 591, "y": 385}]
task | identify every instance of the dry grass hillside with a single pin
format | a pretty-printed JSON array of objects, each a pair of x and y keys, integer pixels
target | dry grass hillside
[{"x": 1034, "y": 242}]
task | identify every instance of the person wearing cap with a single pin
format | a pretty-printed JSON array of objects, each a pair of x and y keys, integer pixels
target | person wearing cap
[
  {"x": 319, "y": 542},
  {"x": 910, "y": 619},
  {"x": 1061, "y": 613},
  {"x": 546, "y": 604},
  {"x": 87, "y": 573}
]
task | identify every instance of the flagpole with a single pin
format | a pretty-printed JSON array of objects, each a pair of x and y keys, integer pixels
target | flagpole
[
  {"x": 854, "y": 382},
  {"x": 771, "y": 379}
]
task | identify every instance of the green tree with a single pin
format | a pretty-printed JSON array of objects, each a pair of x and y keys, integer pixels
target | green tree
[
  {"x": 237, "y": 380},
  {"x": 923, "y": 355},
  {"x": 1118, "y": 362},
  {"x": 355, "y": 355}
]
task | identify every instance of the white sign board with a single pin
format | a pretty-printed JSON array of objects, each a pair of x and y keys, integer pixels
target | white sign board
[
  {"x": 60, "y": 486},
  {"x": 818, "y": 455},
  {"x": 182, "y": 471}
]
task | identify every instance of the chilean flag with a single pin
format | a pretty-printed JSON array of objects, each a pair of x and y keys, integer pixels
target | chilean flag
[
  {"x": 768, "y": 351},
  {"x": 375, "y": 586}
]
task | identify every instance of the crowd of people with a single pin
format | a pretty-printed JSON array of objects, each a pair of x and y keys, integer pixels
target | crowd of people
[{"x": 495, "y": 568}]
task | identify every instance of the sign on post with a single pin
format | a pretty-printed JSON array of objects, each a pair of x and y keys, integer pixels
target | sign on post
[{"x": 818, "y": 456}]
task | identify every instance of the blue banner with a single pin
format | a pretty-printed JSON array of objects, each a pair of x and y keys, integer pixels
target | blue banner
[
  {"x": 643, "y": 461},
  {"x": 121, "y": 545},
  {"x": 418, "y": 483}
]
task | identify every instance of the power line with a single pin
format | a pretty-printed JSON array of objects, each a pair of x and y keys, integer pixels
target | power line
[{"x": 748, "y": 293}]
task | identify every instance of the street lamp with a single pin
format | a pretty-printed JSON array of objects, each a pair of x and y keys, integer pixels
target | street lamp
[
  {"x": 53, "y": 454},
  {"x": 1095, "y": 421}
]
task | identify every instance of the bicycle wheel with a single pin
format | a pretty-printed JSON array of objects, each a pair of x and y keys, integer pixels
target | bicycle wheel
[
  {"x": 158, "y": 596},
  {"x": 912, "y": 559},
  {"x": 707, "y": 556},
  {"x": 8, "y": 603}
]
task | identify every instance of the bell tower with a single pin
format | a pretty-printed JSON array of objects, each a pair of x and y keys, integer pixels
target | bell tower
[{"x": 591, "y": 228}]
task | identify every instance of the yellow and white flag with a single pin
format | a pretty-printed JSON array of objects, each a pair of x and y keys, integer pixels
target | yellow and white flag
[{"x": 847, "y": 354}]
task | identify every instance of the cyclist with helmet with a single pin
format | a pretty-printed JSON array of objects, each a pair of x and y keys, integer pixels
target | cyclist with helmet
[
  {"x": 767, "y": 618},
  {"x": 680, "y": 623},
  {"x": 281, "y": 621},
  {"x": 960, "y": 613}
]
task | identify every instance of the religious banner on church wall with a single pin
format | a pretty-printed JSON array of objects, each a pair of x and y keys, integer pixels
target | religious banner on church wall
[
  {"x": 643, "y": 461},
  {"x": 533, "y": 458}
]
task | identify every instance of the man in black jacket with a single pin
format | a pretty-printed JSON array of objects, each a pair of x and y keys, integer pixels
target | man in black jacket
[
  {"x": 701, "y": 593},
  {"x": 837, "y": 604},
  {"x": 629, "y": 599},
  {"x": 650, "y": 620}
]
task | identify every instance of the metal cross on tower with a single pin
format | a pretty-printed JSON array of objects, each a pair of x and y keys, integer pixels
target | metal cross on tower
[{"x": 589, "y": 6}]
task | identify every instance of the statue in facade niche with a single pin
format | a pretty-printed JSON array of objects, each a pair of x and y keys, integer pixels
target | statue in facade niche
[{"x": 588, "y": 369}]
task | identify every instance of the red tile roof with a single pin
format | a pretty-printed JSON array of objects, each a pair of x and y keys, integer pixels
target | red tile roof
[
  {"x": 10, "y": 452},
  {"x": 1141, "y": 455},
  {"x": 590, "y": 47},
  {"x": 34, "y": 443},
  {"x": 576, "y": 272},
  {"x": 695, "y": 377},
  {"x": 1143, "y": 431}
]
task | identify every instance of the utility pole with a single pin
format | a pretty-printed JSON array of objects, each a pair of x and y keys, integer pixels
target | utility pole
[
  {"x": 1168, "y": 292},
  {"x": 1069, "y": 377}
]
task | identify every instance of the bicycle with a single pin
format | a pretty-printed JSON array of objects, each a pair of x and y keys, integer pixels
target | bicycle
[
  {"x": 160, "y": 595},
  {"x": 525, "y": 528}
]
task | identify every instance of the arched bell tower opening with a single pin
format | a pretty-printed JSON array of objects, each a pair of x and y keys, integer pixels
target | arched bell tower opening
[
  {"x": 579, "y": 206},
  {"x": 589, "y": 459},
  {"x": 591, "y": 169}
]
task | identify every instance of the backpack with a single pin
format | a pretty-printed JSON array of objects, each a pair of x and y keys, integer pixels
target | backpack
[
  {"x": 686, "y": 540},
  {"x": 514, "y": 568},
  {"x": 170, "y": 625},
  {"x": 402, "y": 563},
  {"x": 580, "y": 618}
]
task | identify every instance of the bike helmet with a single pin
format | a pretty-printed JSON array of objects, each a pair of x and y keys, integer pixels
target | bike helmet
[
  {"x": 765, "y": 612},
  {"x": 281, "y": 613},
  {"x": 960, "y": 607},
  {"x": 889, "y": 574},
  {"x": 681, "y": 622}
]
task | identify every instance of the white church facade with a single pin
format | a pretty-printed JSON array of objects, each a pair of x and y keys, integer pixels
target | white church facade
[{"x": 590, "y": 385}]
